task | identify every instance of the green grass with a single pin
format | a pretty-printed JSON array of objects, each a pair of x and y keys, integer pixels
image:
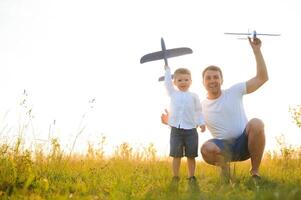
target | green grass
[{"x": 138, "y": 175}]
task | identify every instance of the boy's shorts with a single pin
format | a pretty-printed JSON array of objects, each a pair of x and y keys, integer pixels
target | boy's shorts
[
  {"x": 183, "y": 142},
  {"x": 235, "y": 149}
]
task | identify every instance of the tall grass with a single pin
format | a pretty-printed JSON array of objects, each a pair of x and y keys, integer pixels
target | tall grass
[
  {"x": 47, "y": 172},
  {"x": 129, "y": 174}
]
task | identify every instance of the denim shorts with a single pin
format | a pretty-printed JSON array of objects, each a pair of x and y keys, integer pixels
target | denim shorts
[
  {"x": 183, "y": 142},
  {"x": 235, "y": 149}
]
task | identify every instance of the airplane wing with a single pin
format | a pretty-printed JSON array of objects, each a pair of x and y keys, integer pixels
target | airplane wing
[
  {"x": 238, "y": 33},
  {"x": 268, "y": 34},
  {"x": 169, "y": 53}
]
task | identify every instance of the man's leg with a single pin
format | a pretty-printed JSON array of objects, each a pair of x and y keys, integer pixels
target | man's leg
[
  {"x": 176, "y": 162},
  {"x": 256, "y": 143},
  {"x": 212, "y": 154}
]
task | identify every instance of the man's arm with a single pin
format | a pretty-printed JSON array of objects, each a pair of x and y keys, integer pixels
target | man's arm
[{"x": 261, "y": 71}]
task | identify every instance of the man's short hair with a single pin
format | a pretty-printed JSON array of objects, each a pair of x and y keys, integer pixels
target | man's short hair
[{"x": 213, "y": 68}]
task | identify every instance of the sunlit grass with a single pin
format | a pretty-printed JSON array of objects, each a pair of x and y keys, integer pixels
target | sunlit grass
[
  {"x": 48, "y": 172},
  {"x": 129, "y": 174}
]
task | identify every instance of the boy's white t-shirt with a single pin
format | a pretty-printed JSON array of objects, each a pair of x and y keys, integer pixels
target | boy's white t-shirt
[
  {"x": 225, "y": 116},
  {"x": 185, "y": 107}
]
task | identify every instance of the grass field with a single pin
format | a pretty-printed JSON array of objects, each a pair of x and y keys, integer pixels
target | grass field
[{"x": 34, "y": 174}]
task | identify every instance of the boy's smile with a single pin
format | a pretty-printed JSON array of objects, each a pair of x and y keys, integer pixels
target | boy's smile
[{"x": 182, "y": 82}]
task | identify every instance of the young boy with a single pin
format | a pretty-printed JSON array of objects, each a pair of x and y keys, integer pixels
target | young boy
[{"x": 184, "y": 117}]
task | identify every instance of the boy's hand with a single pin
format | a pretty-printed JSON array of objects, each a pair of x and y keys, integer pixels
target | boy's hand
[
  {"x": 203, "y": 128},
  {"x": 164, "y": 117}
]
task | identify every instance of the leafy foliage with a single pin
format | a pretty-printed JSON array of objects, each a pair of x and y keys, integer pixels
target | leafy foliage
[{"x": 296, "y": 114}]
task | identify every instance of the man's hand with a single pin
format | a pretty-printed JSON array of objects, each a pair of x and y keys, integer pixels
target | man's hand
[
  {"x": 164, "y": 117},
  {"x": 255, "y": 43}
]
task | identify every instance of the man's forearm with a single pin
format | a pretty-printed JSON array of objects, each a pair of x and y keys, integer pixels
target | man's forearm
[{"x": 261, "y": 71}]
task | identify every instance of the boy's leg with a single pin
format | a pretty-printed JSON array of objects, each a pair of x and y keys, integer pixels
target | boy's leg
[
  {"x": 176, "y": 150},
  {"x": 191, "y": 166},
  {"x": 191, "y": 150},
  {"x": 176, "y": 163}
]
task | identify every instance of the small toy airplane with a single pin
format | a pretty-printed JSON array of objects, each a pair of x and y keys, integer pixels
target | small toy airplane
[
  {"x": 252, "y": 34},
  {"x": 164, "y": 54}
]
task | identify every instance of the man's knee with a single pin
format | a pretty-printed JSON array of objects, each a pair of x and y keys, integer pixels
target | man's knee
[
  {"x": 207, "y": 148},
  {"x": 209, "y": 152},
  {"x": 255, "y": 131},
  {"x": 255, "y": 125}
]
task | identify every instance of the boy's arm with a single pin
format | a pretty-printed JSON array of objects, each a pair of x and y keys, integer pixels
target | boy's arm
[
  {"x": 199, "y": 113},
  {"x": 168, "y": 80}
]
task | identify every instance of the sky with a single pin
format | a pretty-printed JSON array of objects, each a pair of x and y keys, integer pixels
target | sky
[{"x": 76, "y": 65}]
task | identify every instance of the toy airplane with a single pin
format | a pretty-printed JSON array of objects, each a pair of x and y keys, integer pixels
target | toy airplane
[
  {"x": 252, "y": 34},
  {"x": 164, "y": 54}
]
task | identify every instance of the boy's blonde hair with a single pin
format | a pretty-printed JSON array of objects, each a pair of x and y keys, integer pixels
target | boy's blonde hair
[{"x": 182, "y": 71}]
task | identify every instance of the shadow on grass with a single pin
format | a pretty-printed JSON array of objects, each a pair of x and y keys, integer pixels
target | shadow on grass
[
  {"x": 176, "y": 190},
  {"x": 265, "y": 188},
  {"x": 258, "y": 184}
]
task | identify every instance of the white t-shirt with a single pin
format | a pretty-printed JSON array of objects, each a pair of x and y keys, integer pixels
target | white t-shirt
[
  {"x": 185, "y": 107},
  {"x": 225, "y": 116}
]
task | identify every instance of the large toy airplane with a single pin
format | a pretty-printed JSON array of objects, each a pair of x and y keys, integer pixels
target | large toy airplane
[
  {"x": 165, "y": 54},
  {"x": 252, "y": 34}
]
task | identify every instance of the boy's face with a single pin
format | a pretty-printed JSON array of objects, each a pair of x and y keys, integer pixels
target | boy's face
[{"x": 182, "y": 82}]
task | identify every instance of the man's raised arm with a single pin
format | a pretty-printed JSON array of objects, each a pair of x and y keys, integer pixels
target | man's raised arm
[{"x": 261, "y": 71}]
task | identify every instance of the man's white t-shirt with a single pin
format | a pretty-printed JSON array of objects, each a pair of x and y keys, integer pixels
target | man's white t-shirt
[{"x": 225, "y": 116}]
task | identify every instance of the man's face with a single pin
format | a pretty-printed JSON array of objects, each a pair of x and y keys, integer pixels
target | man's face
[{"x": 212, "y": 81}]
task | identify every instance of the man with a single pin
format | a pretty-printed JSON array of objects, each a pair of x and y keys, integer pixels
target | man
[{"x": 234, "y": 137}]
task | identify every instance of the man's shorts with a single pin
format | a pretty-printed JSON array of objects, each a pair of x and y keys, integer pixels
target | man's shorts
[
  {"x": 235, "y": 149},
  {"x": 183, "y": 142}
]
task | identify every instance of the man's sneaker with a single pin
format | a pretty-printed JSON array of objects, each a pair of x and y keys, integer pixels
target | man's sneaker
[{"x": 255, "y": 176}]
